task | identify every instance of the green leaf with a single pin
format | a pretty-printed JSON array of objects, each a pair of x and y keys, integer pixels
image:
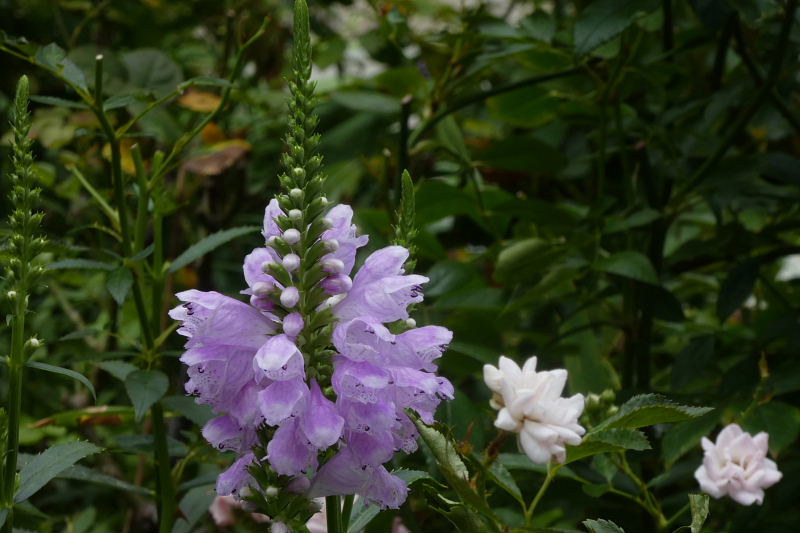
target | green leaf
[
  {"x": 145, "y": 387},
  {"x": 698, "y": 504},
  {"x": 82, "y": 473},
  {"x": 500, "y": 475},
  {"x": 526, "y": 258},
  {"x": 195, "y": 504},
  {"x": 684, "y": 436},
  {"x": 692, "y": 360},
  {"x": 198, "y": 250},
  {"x": 118, "y": 369},
  {"x": 780, "y": 420},
  {"x": 47, "y": 465},
  {"x": 64, "y": 372},
  {"x": 188, "y": 407},
  {"x": 635, "y": 220},
  {"x": 603, "y": 20},
  {"x": 119, "y": 100},
  {"x": 152, "y": 70},
  {"x": 369, "y": 101},
  {"x": 207, "y": 81},
  {"x": 451, "y": 465},
  {"x": 633, "y": 265},
  {"x": 602, "y": 526},
  {"x": 119, "y": 284},
  {"x": 650, "y": 409},
  {"x": 86, "y": 264},
  {"x": 144, "y": 444},
  {"x": 449, "y": 134},
  {"x": 59, "y": 102},
  {"x": 736, "y": 288},
  {"x": 608, "y": 440}
]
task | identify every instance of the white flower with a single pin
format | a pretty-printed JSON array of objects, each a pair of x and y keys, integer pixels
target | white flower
[
  {"x": 737, "y": 466},
  {"x": 530, "y": 404}
]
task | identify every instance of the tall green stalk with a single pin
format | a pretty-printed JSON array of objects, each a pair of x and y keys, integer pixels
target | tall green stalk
[{"x": 21, "y": 273}]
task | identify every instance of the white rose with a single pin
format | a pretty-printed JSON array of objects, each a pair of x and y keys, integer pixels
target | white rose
[
  {"x": 737, "y": 466},
  {"x": 530, "y": 404}
]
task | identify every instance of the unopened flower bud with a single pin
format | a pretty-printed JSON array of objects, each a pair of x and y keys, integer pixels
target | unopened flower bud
[
  {"x": 328, "y": 222},
  {"x": 298, "y": 173},
  {"x": 271, "y": 240},
  {"x": 411, "y": 323},
  {"x": 296, "y": 193},
  {"x": 332, "y": 301},
  {"x": 11, "y": 294},
  {"x": 280, "y": 527},
  {"x": 331, "y": 245},
  {"x": 289, "y": 297},
  {"x": 291, "y": 262},
  {"x": 291, "y": 236},
  {"x": 293, "y": 324},
  {"x": 33, "y": 342},
  {"x": 262, "y": 288},
  {"x": 267, "y": 266},
  {"x": 333, "y": 266},
  {"x": 295, "y": 214},
  {"x": 337, "y": 284},
  {"x": 271, "y": 491},
  {"x": 323, "y": 200}
]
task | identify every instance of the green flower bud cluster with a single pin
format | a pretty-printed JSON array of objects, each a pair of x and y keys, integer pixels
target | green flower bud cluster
[
  {"x": 24, "y": 244},
  {"x": 303, "y": 202}
]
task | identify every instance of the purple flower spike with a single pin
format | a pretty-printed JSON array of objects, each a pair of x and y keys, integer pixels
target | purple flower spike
[
  {"x": 247, "y": 362},
  {"x": 236, "y": 478},
  {"x": 321, "y": 424}
]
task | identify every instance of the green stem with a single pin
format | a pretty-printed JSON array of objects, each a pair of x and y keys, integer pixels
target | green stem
[
  {"x": 15, "y": 367},
  {"x": 333, "y": 511},
  {"x": 347, "y": 510},
  {"x": 166, "y": 490},
  {"x": 677, "y": 515},
  {"x": 551, "y": 474},
  {"x": 480, "y": 97}
]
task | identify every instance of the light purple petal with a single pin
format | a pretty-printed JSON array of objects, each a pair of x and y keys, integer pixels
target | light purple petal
[
  {"x": 279, "y": 359},
  {"x": 288, "y": 452},
  {"x": 281, "y": 400},
  {"x": 235, "y": 478},
  {"x": 320, "y": 422},
  {"x": 271, "y": 212},
  {"x": 359, "y": 381},
  {"x": 344, "y": 231}
]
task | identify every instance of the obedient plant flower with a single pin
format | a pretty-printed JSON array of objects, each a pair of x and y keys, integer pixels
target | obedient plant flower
[
  {"x": 307, "y": 378},
  {"x": 736, "y": 465},
  {"x": 531, "y": 405}
]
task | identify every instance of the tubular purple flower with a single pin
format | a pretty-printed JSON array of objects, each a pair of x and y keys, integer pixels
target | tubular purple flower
[
  {"x": 281, "y": 400},
  {"x": 320, "y": 423},
  {"x": 380, "y": 290},
  {"x": 343, "y": 232},
  {"x": 279, "y": 359},
  {"x": 289, "y": 452},
  {"x": 236, "y": 478}
]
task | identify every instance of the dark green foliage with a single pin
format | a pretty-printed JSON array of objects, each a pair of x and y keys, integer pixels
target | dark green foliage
[{"x": 611, "y": 185}]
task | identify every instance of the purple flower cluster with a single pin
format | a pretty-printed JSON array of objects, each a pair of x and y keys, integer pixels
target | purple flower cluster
[{"x": 246, "y": 362}]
